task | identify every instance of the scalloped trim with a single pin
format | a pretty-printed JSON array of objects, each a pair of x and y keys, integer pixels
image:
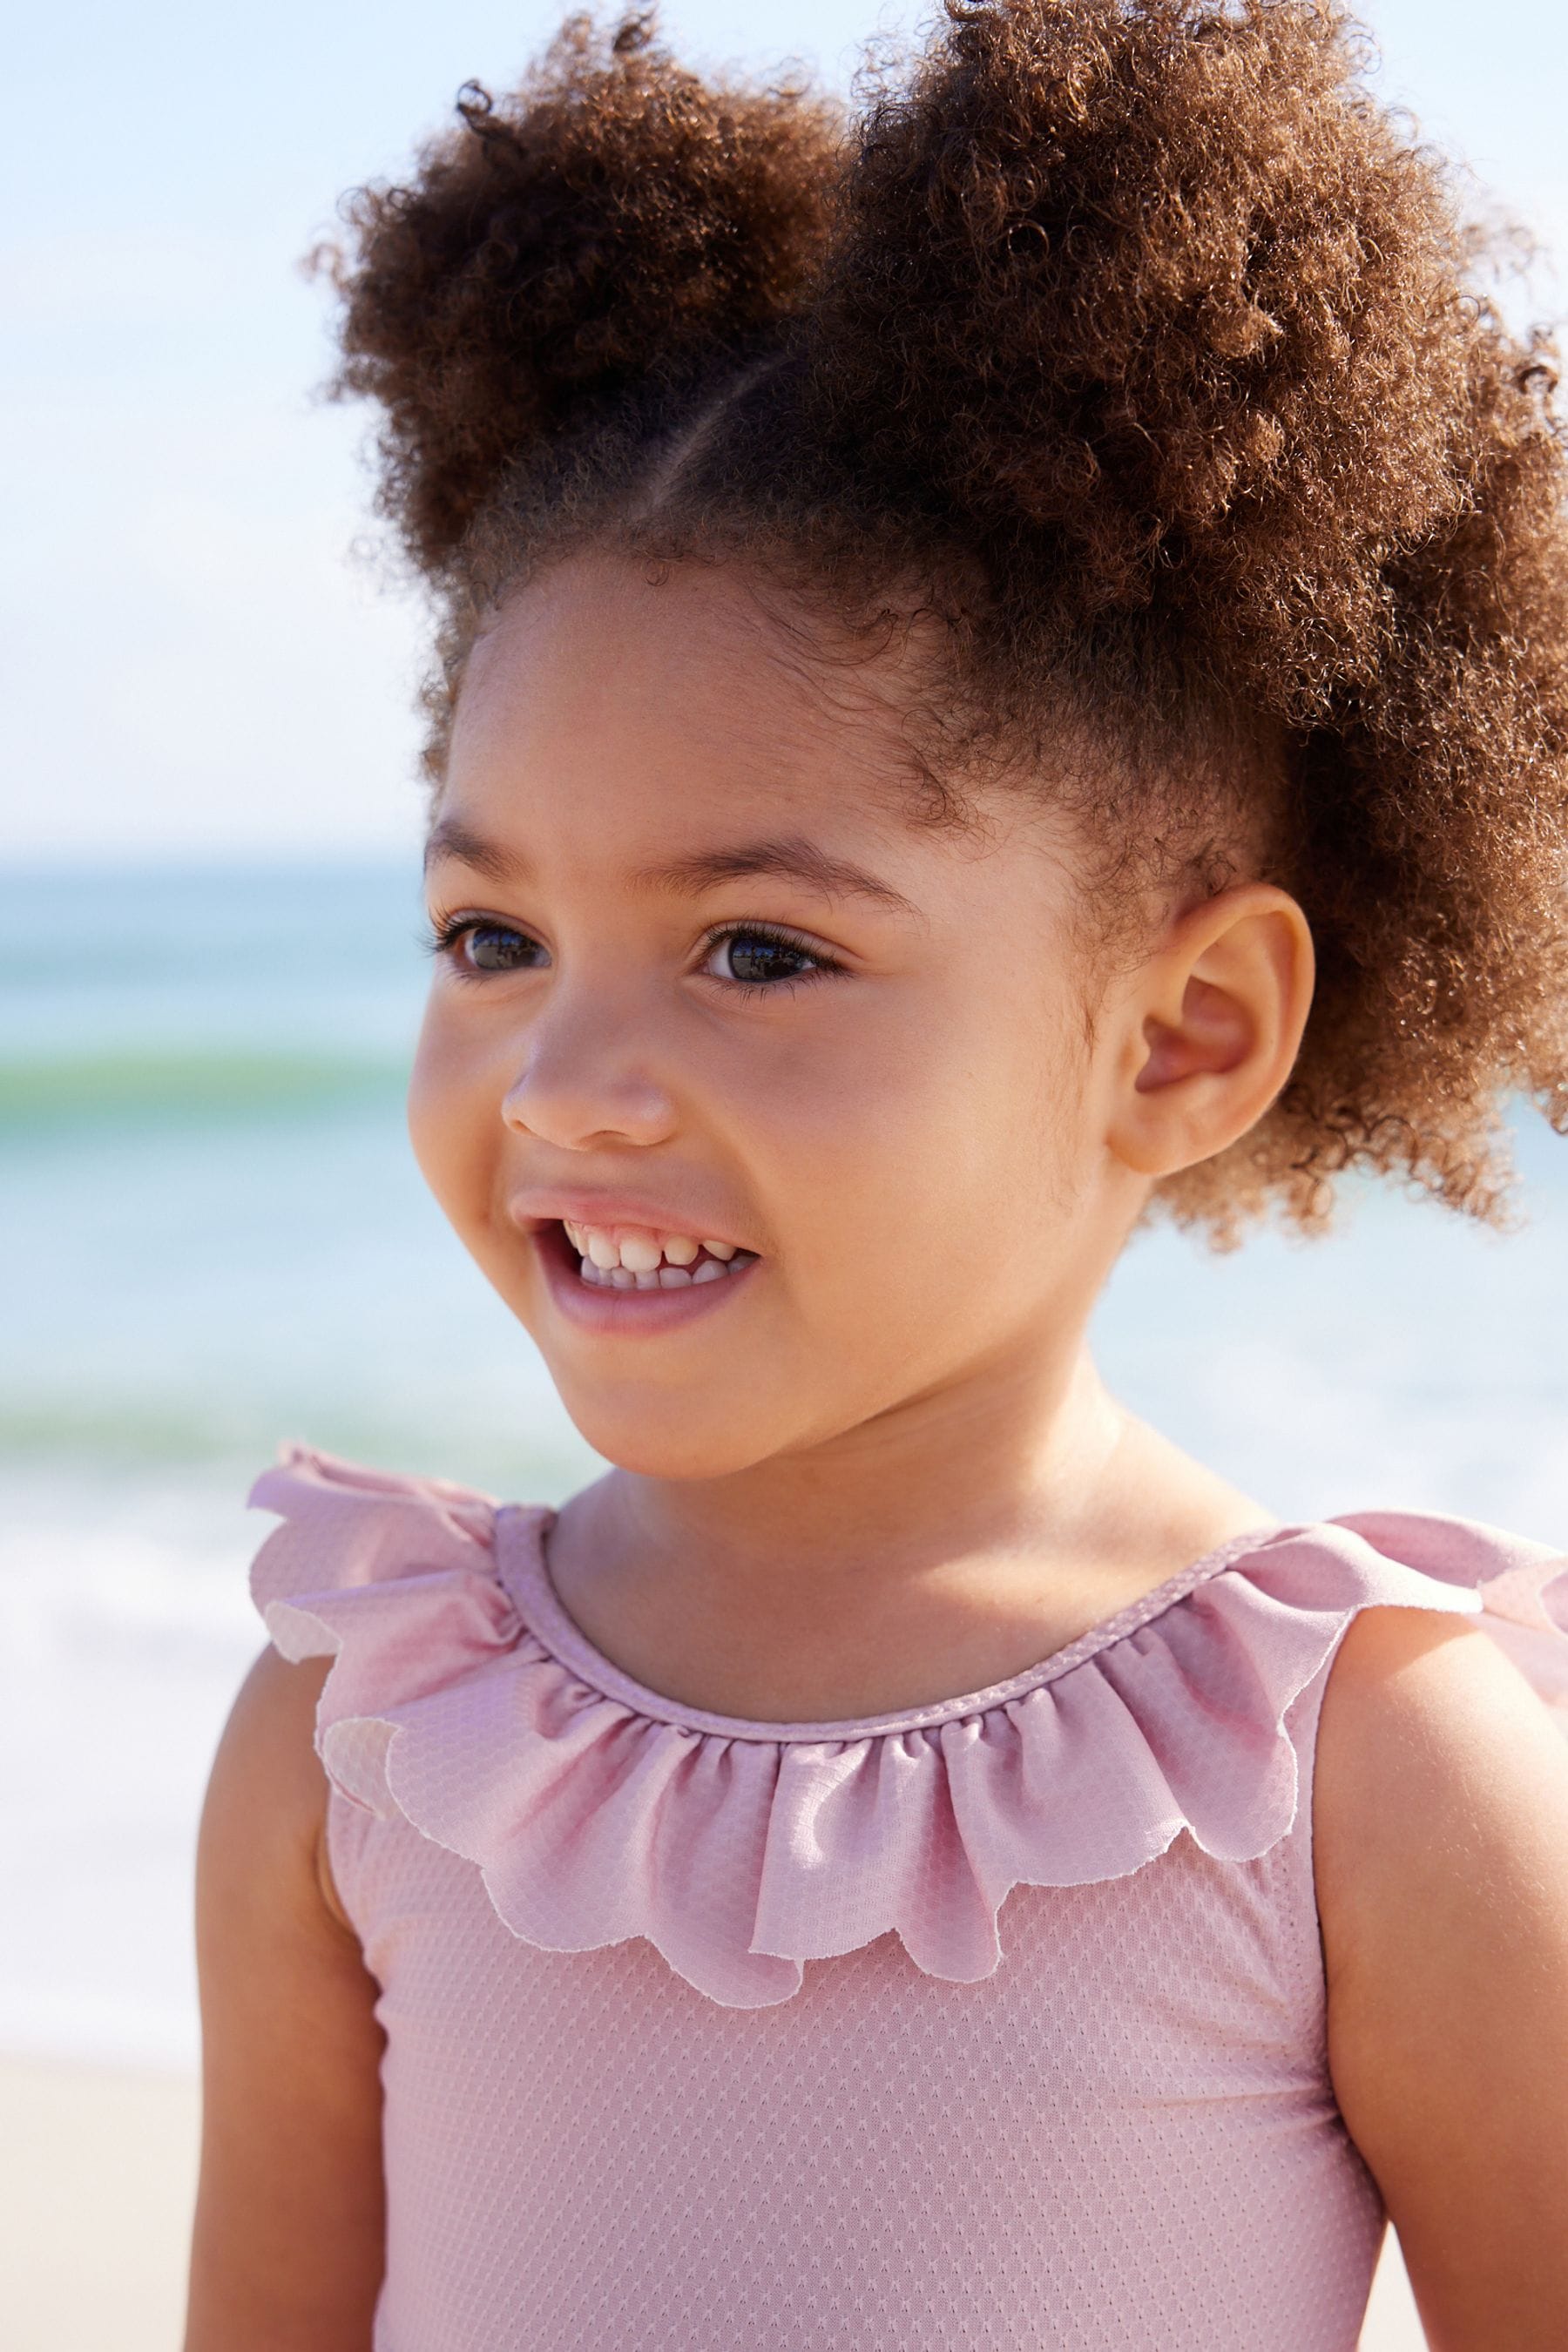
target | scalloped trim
[{"x": 465, "y": 1699}]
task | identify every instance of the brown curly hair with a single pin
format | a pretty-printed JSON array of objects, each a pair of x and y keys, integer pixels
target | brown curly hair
[{"x": 1134, "y": 345}]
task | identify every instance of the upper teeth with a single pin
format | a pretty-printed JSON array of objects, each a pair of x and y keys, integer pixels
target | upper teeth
[{"x": 654, "y": 1259}]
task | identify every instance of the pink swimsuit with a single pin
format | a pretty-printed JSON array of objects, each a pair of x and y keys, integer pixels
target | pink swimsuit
[{"x": 994, "y": 2023}]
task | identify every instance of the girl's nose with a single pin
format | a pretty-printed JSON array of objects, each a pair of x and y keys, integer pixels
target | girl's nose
[{"x": 587, "y": 1080}]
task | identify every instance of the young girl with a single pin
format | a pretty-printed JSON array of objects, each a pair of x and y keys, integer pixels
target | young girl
[{"x": 1001, "y": 673}]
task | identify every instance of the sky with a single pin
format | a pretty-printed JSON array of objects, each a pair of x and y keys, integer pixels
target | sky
[{"x": 198, "y": 654}]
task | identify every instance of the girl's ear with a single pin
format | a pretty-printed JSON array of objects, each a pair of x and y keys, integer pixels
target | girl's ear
[{"x": 1211, "y": 1026}]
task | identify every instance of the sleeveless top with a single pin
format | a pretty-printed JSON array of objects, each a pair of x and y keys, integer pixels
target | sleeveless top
[{"x": 994, "y": 2023}]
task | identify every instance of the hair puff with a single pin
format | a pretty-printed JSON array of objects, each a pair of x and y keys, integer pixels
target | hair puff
[
  {"x": 1156, "y": 351},
  {"x": 611, "y": 229}
]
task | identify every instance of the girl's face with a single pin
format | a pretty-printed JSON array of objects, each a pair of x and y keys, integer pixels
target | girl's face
[{"x": 705, "y": 981}]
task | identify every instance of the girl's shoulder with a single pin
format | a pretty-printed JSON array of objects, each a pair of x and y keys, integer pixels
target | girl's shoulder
[
  {"x": 1434, "y": 1744},
  {"x": 1440, "y": 1870},
  {"x": 464, "y": 1700}
]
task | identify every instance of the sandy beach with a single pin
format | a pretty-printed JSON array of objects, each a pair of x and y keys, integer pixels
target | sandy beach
[
  {"x": 96, "y": 2194},
  {"x": 99, "y": 2182}
]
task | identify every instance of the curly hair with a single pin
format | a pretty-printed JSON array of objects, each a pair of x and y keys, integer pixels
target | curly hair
[{"x": 1135, "y": 345}]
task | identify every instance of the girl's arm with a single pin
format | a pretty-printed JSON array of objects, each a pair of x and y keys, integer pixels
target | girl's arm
[
  {"x": 287, "y": 2253},
  {"x": 1441, "y": 1848}
]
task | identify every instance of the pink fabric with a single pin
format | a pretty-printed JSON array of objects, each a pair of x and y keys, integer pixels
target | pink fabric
[{"x": 996, "y": 2022}]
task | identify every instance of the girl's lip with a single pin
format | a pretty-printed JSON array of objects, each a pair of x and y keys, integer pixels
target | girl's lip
[{"x": 625, "y": 1313}]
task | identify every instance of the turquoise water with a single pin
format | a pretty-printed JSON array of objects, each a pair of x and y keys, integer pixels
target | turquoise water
[{"x": 215, "y": 1238}]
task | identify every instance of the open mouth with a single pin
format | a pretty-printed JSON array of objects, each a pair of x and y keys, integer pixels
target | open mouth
[{"x": 626, "y": 1259}]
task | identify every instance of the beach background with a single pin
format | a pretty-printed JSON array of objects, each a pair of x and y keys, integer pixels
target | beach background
[{"x": 214, "y": 1236}]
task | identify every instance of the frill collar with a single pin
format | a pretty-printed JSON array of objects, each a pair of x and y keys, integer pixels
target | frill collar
[{"x": 464, "y": 1699}]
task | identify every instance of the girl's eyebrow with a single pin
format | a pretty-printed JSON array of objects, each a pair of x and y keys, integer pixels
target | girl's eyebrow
[
  {"x": 794, "y": 859},
  {"x": 791, "y": 857},
  {"x": 451, "y": 839}
]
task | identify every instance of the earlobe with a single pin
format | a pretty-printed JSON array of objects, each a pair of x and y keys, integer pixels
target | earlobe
[{"x": 1214, "y": 1021}]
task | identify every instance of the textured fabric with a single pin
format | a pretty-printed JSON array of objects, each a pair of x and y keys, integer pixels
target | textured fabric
[{"x": 996, "y": 2023}]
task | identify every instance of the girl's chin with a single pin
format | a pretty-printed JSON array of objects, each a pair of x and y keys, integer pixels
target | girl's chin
[{"x": 678, "y": 1436}]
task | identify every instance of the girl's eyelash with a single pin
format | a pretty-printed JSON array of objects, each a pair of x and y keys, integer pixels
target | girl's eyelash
[
  {"x": 444, "y": 932},
  {"x": 776, "y": 935}
]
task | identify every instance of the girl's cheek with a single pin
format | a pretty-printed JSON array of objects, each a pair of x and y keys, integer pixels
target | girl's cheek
[{"x": 454, "y": 1119}]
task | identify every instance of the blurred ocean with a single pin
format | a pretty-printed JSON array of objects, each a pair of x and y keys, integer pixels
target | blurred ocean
[{"x": 216, "y": 1238}]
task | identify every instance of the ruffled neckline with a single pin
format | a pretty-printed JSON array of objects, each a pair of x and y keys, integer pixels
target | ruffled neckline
[
  {"x": 464, "y": 1700},
  {"x": 522, "y": 1538}
]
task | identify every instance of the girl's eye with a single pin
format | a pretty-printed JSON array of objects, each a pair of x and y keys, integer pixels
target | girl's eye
[
  {"x": 763, "y": 959},
  {"x": 476, "y": 947}
]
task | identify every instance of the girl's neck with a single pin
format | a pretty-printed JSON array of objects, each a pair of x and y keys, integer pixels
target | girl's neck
[{"x": 933, "y": 1550}]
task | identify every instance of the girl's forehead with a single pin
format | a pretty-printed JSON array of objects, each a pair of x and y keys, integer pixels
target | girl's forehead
[
  {"x": 672, "y": 705},
  {"x": 622, "y": 732}
]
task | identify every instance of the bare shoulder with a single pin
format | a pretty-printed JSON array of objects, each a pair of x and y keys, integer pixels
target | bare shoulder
[
  {"x": 1440, "y": 1837},
  {"x": 287, "y": 2242},
  {"x": 267, "y": 1785},
  {"x": 275, "y": 1706},
  {"x": 1426, "y": 1725}
]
